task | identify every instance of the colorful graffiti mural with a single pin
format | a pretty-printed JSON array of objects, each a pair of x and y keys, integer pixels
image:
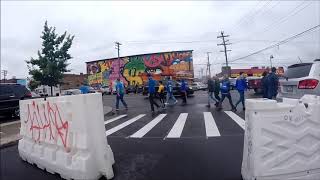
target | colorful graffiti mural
[{"x": 134, "y": 69}]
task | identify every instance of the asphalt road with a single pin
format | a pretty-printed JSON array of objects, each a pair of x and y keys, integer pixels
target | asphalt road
[{"x": 181, "y": 142}]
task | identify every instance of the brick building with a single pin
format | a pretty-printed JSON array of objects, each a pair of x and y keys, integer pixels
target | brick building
[{"x": 73, "y": 81}]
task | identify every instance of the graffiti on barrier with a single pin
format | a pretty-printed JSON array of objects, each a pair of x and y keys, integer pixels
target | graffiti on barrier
[
  {"x": 45, "y": 122},
  {"x": 134, "y": 69}
]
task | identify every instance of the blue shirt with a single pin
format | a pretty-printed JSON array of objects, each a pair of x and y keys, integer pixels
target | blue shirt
[
  {"x": 183, "y": 87},
  {"x": 120, "y": 88},
  {"x": 225, "y": 87},
  {"x": 241, "y": 84},
  {"x": 169, "y": 86},
  {"x": 84, "y": 89},
  {"x": 151, "y": 86}
]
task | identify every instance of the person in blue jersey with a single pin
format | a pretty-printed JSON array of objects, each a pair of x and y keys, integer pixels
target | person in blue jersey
[
  {"x": 84, "y": 88},
  {"x": 183, "y": 90},
  {"x": 169, "y": 88},
  {"x": 241, "y": 86},
  {"x": 120, "y": 93},
  {"x": 225, "y": 92},
  {"x": 152, "y": 93}
]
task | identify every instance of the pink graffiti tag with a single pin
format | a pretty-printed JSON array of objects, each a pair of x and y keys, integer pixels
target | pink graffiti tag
[{"x": 47, "y": 118}]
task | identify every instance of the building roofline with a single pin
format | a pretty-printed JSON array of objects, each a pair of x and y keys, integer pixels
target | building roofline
[{"x": 137, "y": 55}]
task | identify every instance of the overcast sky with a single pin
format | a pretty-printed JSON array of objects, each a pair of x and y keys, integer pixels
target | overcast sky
[{"x": 147, "y": 27}]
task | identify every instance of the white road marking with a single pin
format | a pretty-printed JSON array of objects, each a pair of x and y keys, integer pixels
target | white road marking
[
  {"x": 9, "y": 123},
  {"x": 177, "y": 128},
  {"x": 236, "y": 118},
  {"x": 143, "y": 131},
  {"x": 211, "y": 127},
  {"x": 114, "y": 119},
  {"x": 117, "y": 128}
]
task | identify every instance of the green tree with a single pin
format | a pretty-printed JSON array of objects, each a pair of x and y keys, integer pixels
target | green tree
[
  {"x": 33, "y": 84},
  {"x": 52, "y": 61}
]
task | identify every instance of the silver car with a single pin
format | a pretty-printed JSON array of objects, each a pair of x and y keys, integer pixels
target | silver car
[{"x": 300, "y": 79}]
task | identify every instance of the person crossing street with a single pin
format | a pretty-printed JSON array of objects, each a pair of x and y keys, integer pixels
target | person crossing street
[
  {"x": 161, "y": 94},
  {"x": 211, "y": 89},
  {"x": 241, "y": 86},
  {"x": 183, "y": 89},
  {"x": 120, "y": 94},
  {"x": 169, "y": 88},
  {"x": 152, "y": 92},
  {"x": 225, "y": 92},
  {"x": 273, "y": 82}
]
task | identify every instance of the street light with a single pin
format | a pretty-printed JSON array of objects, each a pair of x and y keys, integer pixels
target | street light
[{"x": 271, "y": 57}]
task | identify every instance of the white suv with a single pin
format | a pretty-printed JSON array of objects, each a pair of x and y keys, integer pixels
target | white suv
[{"x": 300, "y": 79}]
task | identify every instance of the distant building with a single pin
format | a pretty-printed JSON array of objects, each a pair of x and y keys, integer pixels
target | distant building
[
  {"x": 253, "y": 71},
  {"x": 72, "y": 81}
]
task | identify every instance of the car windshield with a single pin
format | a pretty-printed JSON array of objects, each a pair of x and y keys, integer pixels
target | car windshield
[{"x": 298, "y": 70}]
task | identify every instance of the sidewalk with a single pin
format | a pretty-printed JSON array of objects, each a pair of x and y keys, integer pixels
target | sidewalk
[{"x": 9, "y": 132}]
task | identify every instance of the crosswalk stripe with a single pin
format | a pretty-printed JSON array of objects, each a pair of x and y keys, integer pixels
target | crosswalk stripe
[
  {"x": 114, "y": 119},
  {"x": 211, "y": 127},
  {"x": 143, "y": 131},
  {"x": 236, "y": 118},
  {"x": 177, "y": 128},
  {"x": 130, "y": 121}
]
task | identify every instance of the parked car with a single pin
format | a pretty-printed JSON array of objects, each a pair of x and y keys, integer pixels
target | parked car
[
  {"x": 255, "y": 84},
  {"x": 300, "y": 79},
  {"x": 130, "y": 89},
  {"x": 105, "y": 90},
  {"x": 199, "y": 86},
  {"x": 176, "y": 89},
  {"x": 35, "y": 95},
  {"x": 10, "y": 94},
  {"x": 72, "y": 92}
]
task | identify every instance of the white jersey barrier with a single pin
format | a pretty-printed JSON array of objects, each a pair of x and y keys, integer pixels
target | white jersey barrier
[
  {"x": 282, "y": 140},
  {"x": 66, "y": 135}
]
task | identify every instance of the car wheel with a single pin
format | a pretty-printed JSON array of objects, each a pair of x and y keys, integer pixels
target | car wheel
[{"x": 16, "y": 112}]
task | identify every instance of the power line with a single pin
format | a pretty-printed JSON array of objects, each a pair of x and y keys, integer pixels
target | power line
[
  {"x": 238, "y": 23},
  {"x": 285, "y": 18},
  {"x": 277, "y": 44}
]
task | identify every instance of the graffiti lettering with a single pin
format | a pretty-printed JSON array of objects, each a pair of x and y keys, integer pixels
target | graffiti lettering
[
  {"x": 153, "y": 60},
  {"x": 134, "y": 69},
  {"x": 46, "y": 123}
]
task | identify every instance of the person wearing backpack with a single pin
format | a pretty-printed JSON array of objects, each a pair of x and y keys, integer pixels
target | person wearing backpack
[
  {"x": 225, "y": 92},
  {"x": 152, "y": 92},
  {"x": 241, "y": 86},
  {"x": 120, "y": 94},
  {"x": 211, "y": 89},
  {"x": 169, "y": 88}
]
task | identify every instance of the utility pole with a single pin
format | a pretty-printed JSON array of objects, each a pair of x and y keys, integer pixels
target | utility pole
[
  {"x": 118, "y": 48},
  {"x": 201, "y": 74},
  {"x": 208, "y": 65},
  {"x": 5, "y": 72},
  {"x": 224, "y": 44}
]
